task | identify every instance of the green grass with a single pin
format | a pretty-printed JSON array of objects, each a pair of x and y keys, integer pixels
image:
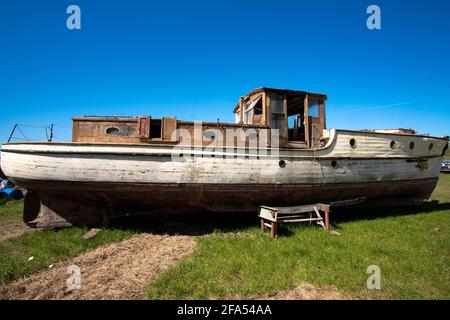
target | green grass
[
  {"x": 410, "y": 245},
  {"x": 10, "y": 211},
  {"x": 48, "y": 247},
  {"x": 442, "y": 191}
]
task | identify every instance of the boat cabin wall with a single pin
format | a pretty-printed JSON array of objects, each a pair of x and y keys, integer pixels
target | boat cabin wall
[
  {"x": 113, "y": 130},
  {"x": 223, "y": 135},
  {"x": 142, "y": 129},
  {"x": 168, "y": 130}
]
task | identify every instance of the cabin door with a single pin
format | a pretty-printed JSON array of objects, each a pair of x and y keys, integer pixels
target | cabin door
[
  {"x": 296, "y": 120},
  {"x": 316, "y": 121},
  {"x": 278, "y": 117}
]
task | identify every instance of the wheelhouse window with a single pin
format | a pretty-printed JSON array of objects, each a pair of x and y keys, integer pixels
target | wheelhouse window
[
  {"x": 277, "y": 104},
  {"x": 237, "y": 117},
  {"x": 296, "y": 118},
  {"x": 277, "y": 114},
  {"x": 253, "y": 110},
  {"x": 313, "y": 107}
]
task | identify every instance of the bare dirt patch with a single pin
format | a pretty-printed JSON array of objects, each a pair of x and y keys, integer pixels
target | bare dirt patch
[
  {"x": 306, "y": 291},
  {"x": 13, "y": 230},
  {"x": 115, "y": 271}
]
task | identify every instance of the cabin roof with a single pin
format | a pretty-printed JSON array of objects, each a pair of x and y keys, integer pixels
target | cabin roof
[
  {"x": 280, "y": 91},
  {"x": 288, "y": 91}
]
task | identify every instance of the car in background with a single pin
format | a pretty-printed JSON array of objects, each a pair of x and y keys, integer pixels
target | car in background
[{"x": 445, "y": 166}]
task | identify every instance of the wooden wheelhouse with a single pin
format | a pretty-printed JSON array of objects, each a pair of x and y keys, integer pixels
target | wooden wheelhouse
[{"x": 298, "y": 116}]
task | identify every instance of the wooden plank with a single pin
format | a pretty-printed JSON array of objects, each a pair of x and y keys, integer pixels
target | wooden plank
[
  {"x": 279, "y": 217},
  {"x": 317, "y": 213},
  {"x": 75, "y": 131},
  {"x": 241, "y": 110},
  {"x": 169, "y": 125},
  {"x": 273, "y": 230},
  {"x": 322, "y": 113},
  {"x": 306, "y": 117},
  {"x": 296, "y": 209},
  {"x": 268, "y": 208},
  {"x": 264, "y": 107},
  {"x": 267, "y": 213},
  {"x": 320, "y": 223},
  {"x": 144, "y": 127},
  {"x": 301, "y": 220}
]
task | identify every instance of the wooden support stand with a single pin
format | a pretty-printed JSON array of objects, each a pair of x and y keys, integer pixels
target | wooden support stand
[{"x": 271, "y": 217}]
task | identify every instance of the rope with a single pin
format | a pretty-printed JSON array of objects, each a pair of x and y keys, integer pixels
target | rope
[
  {"x": 30, "y": 126},
  {"x": 61, "y": 126},
  {"x": 60, "y": 139},
  {"x": 18, "y": 128}
]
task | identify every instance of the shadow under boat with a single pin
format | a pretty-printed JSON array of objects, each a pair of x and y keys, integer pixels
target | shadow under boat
[{"x": 204, "y": 223}]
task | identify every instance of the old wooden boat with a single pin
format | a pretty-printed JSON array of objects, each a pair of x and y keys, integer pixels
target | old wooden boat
[{"x": 277, "y": 153}]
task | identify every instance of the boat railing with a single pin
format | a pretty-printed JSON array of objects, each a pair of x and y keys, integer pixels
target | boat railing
[{"x": 48, "y": 129}]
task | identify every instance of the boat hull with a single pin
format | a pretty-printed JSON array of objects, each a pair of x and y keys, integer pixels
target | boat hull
[
  {"x": 90, "y": 183},
  {"x": 87, "y": 203}
]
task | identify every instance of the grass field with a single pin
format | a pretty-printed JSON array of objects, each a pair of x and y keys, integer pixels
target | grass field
[
  {"x": 410, "y": 245},
  {"x": 10, "y": 211},
  {"x": 46, "y": 246}
]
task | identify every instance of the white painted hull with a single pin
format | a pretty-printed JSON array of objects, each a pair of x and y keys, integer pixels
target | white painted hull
[{"x": 372, "y": 160}]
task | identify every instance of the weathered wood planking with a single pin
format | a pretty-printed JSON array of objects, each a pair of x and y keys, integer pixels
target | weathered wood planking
[{"x": 368, "y": 145}]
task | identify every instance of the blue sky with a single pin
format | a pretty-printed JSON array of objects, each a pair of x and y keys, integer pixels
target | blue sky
[{"x": 193, "y": 59}]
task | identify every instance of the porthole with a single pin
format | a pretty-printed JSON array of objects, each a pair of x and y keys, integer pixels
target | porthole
[
  {"x": 411, "y": 145},
  {"x": 253, "y": 136},
  {"x": 392, "y": 144},
  {"x": 353, "y": 143},
  {"x": 112, "y": 131},
  {"x": 430, "y": 146},
  {"x": 282, "y": 163},
  {"x": 334, "y": 163},
  {"x": 181, "y": 155},
  {"x": 209, "y": 134}
]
